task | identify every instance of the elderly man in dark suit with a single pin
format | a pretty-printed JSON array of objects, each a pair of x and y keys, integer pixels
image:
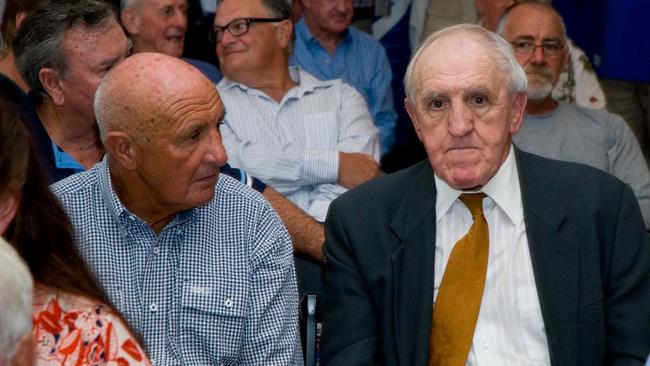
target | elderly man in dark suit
[{"x": 484, "y": 254}]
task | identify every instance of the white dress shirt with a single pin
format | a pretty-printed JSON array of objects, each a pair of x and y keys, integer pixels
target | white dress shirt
[
  {"x": 294, "y": 145},
  {"x": 510, "y": 329}
]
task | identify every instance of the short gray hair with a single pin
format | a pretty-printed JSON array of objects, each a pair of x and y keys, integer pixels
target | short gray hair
[
  {"x": 40, "y": 41},
  {"x": 128, "y": 4},
  {"x": 540, "y": 4},
  {"x": 499, "y": 49},
  {"x": 16, "y": 288}
]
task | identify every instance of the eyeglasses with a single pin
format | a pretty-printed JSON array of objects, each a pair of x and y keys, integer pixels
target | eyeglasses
[
  {"x": 238, "y": 27},
  {"x": 549, "y": 48}
]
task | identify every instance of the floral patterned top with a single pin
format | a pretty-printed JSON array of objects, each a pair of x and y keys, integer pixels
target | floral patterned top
[{"x": 73, "y": 330}]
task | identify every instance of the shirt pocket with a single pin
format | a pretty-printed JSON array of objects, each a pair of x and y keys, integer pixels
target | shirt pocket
[
  {"x": 532, "y": 326},
  {"x": 212, "y": 320},
  {"x": 321, "y": 130}
]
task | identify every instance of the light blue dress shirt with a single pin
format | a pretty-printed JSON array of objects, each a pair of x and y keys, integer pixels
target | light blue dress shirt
[
  {"x": 216, "y": 286},
  {"x": 360, "y": 61}
]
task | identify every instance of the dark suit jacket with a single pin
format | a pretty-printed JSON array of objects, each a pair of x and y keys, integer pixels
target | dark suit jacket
[{"x": 590, "y": 255}]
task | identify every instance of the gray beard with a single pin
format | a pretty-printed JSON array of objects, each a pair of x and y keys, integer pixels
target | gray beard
[{"x": 539, "y": 91}]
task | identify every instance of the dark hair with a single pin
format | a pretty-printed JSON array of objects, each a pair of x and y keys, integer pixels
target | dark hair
[
  {"x": 278, "y": 9},
  {"x": 12, "y": 8},
  {"x": 39, "y": 42},
  {"x": 41, "y": 232}
]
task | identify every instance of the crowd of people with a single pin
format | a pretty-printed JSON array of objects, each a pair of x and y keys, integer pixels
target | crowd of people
[{"x": 159, "y": 207}]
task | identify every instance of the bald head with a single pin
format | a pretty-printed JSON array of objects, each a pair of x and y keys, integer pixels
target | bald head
[
  {"x": 495, "y": 47},
  {"x": 144, "y": 92}
]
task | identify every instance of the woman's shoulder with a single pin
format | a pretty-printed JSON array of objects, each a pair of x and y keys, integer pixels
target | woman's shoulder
[{"x": 69, "y": 326}]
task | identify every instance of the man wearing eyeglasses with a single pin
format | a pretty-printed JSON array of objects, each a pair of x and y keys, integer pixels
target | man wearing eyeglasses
[
  {"x": 563, "y": 131},
  {"x": 309, "y": 139}
]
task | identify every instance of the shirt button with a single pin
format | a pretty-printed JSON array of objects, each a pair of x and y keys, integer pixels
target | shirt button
[
  {"x": 156, "y": 250},
  {"x": 228, "y": 303},
  {"x": 484, "y": 345},
  {"x": 153, "y": 307}
]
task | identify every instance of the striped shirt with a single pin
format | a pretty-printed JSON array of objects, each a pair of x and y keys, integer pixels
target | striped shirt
[
  {"x": 216, "y": 286},
  {"x": 294, "y": 145},
  {"x": 360, "y": 61}
]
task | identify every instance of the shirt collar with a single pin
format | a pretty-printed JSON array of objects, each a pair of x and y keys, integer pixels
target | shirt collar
[
  {"x": 503, "y": 189},
  {"x": 119, "y": 212},
  {"x": 306, "y": 83}
]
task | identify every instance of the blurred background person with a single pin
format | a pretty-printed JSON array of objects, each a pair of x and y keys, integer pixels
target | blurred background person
[
  {"x": 72, "y": 321},
  {"x": 16, "y": 342}
]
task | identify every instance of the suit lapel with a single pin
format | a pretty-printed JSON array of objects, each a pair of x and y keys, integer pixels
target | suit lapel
[
  {"x": 554, "y": 257},
  {"x": 412, "y": 263}
]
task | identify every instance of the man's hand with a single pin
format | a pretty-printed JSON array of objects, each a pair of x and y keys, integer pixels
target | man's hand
[{"x": 356, "y": 168}]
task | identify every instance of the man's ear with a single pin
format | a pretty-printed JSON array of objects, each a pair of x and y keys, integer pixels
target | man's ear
[
  {"x": 130, "y": 20},
  {"x": 518, "y": 109},
  {"x": 8, "y": 209},
  {"x": 410, "y": 109},
  {"x": 20, "y": 16},
  {"x": 122, "y": 148},
  {"x": 285, "y": 32},
  {"x": 52, "y": 84}
]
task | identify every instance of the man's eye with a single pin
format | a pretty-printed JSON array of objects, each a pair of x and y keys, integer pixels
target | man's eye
[
  {"x": 523, "y": 45},
  {"x": 551, "y": 46},
  {"x": 195, "y": 135},
  {"x": 479, "y": 100},
  {"x": 437, "y": 104}
]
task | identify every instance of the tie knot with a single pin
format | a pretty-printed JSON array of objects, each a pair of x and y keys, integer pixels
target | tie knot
[{"x": 474, "y": 202}]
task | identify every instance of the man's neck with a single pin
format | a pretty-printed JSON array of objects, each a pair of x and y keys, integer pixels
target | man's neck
[
  {"x": 8, "y": 67},
  {"x": 77, "y": 138},
  {"x": 137, "y": 198},
  {"x": 273, "y": 81},
  {"x": 328, "y": 40},
  {"x": 541, "y": 106}
]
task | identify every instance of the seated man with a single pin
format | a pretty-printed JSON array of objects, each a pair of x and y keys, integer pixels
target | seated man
[
  {"x": 160, "y": 26},
  {"x": 16, "y": 341},
  {"x": 307, "y": 138},
  {"x": 328, "y": 48},
  {"x": 60, "y": 114},
  {"x": 199, "y": 265},
  {"x": 484, "y": 254},
  {"x": 563, "y": 131}
]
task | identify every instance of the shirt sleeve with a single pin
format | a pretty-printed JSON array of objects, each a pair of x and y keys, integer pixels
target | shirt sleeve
[
  {"x": 244, "y": 178},
  {"x": 627, "y": 163},
  {"x": 272, "y": 328},
  {"x": 381, "y": 100},
  {"x": 285, "y": 166}
]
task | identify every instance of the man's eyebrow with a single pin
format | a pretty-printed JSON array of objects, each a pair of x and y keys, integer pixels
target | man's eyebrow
[
  {"x": 478, "y": 90},
  {"x": 525, "y": 38},
  {"x": 430, "y": 95}
]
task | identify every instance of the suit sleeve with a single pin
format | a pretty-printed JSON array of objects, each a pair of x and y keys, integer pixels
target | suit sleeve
[
  {"x": 349, "y": 329},
  {"x": 627, "y": 288}
]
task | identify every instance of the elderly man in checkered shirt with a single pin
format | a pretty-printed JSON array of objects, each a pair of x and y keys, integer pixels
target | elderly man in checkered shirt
[{"x": 197, "y": 263}]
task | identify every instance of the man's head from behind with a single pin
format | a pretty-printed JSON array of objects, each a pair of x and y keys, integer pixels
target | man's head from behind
[
  {"x": 66, "y": 47},
  {"x": 328, "y": 16},
  {"x": 465, "y": 105},
  {"x": 156, "y": 25},
  {"x": 159, "y": 120},
  {"x": 16, "y": 344},
  {"x": 537, "y": 33},
  {"x": 14, "y": 13},
  {"x": 252, "y": 36}
]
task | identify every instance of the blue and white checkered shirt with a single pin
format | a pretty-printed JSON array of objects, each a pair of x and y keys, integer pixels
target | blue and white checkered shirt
[{"x": 216, "y": 287}]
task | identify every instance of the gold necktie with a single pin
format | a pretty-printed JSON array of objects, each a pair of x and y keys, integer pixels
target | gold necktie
[{"x": 459, "y": 297}]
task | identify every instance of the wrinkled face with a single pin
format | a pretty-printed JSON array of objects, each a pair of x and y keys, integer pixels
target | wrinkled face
[
  {"x": 91, "y": 54},
  {"x": 159, "y": 26},
  {"x": 329, "y": 16},
  {"x": 491, "y": 10},
  {"x": 464, "y": 114},
  {"x": 539, "y": 26},
  {"x": 248, "y": 53},
  {"x": 180, "y": 162}
]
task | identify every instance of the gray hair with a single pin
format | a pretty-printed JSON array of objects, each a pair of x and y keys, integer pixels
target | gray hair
[
  {"x": 40, "y": 41},
  {"x": 278, "y": 9},
  {"x": 16, "y": 288},
  {"x": 499, "y": 49},
  {"x": 124, "y": 4},
  {"x": 539, "y": 4}
]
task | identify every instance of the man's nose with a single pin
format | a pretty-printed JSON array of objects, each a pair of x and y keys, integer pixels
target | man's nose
[
  {"x": 216, "y": 152},
  {"x": 461, "y": 120}
]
